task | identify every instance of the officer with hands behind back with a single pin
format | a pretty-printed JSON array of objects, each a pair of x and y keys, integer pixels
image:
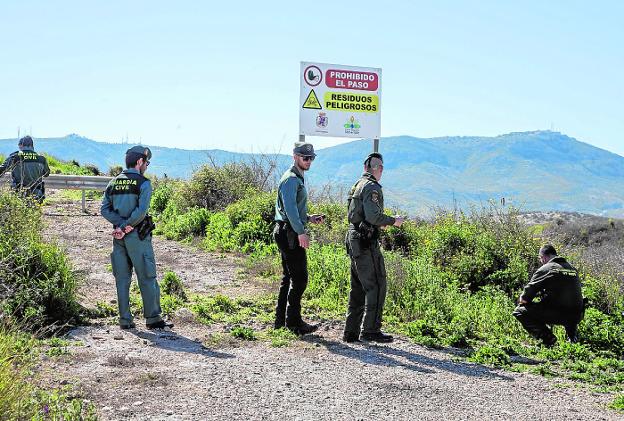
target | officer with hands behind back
[
  {"x": 125, "y": 205},
  {"x": 368, "y": 272}
]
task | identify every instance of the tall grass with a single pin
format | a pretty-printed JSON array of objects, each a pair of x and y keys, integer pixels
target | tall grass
[{"x": 37, "y": 295}]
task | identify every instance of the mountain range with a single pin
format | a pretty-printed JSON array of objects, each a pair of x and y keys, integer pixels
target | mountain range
[{"x": 540, "y": 170}]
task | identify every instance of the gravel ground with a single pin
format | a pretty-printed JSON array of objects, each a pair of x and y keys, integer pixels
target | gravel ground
[{"x": 181, "y": 375}]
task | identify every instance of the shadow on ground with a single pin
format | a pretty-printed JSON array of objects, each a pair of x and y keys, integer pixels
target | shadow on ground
[
  {"x": 172, "y": 341},
  {"x": 388, "y": 355}
]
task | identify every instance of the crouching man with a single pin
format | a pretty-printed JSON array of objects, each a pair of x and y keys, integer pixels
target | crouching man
[{"x": 558, "y": 285}]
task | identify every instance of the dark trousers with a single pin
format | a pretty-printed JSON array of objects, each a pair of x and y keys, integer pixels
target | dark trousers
[
  {"x": 535, "y": 318},
  {"x": 294, "y": 279},
  {"x": 368, "y": 286}
]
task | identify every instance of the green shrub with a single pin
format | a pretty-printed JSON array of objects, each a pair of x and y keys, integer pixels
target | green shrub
[
  {"x": 58, "y": 166},
  {"x": 281, "y": 337},
  {"x": 172, "y": 285},
  {"x": 490, "y": 355},
  {"x": 178, "y": 225},
  {"x": 38, "y": 285},
  {"x": 214, "y": 188},
  {"x": 618, "y": 403},
  {"x": 244, "y": 226},
  {"x": 163, "y": 192},
  {"x": 603, "y": 331},
  {"x": 115, "y": 170},
  {"x": 242, "y": 332}
]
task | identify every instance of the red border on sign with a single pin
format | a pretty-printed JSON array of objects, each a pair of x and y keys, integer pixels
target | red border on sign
[{"x": 306, "y": 79}]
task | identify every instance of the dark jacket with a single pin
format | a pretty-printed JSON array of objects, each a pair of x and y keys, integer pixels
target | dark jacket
[
  {"x": 27, "y": 169},
  {"x": 558, "y": 285},
  {"x": 366, "y": 203}
]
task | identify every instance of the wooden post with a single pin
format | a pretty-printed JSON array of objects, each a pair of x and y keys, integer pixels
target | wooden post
[
  {"x": 84, "y": 202},
  {"x": 375, "y": 145}
]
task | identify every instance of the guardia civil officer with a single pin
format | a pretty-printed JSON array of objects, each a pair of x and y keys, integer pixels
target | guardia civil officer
[
  {"x": 368, "y": 272},
  {"x": 561, "y": 302},
  {"x": 28, "y": 169},
  {"x": 291, "y": 237},
  {"x": 125, "y": 205}
]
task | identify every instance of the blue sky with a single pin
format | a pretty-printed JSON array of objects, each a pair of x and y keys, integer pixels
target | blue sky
[{"x": 226, "y": 75}]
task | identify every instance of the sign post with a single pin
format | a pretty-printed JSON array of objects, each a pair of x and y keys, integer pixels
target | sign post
[{"x": 340, "y": 101}]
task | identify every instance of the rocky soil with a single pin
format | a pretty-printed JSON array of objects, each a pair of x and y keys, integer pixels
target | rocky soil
[{"x": 183, "y": 375}]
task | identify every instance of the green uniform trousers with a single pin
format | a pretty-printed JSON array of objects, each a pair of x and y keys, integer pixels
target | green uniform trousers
[
  {"x": 131, "y": 252},
  {"x": 368, "y": 286}
]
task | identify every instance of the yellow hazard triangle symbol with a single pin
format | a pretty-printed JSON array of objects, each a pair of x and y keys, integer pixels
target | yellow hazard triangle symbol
[{"x": 312, "y": 102}]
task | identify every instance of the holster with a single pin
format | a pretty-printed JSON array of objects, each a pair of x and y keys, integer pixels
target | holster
[
  {"x": 145, "y": 227},
  {"x": 368, "y": 232}
]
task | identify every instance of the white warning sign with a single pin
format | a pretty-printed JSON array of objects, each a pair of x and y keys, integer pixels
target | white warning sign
[{"x": 340, "y": 101}]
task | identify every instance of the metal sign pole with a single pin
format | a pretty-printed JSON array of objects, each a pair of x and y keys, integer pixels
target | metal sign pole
[
  {"x": 302, "y": 138},
  {"x": 375, "y": 145}
]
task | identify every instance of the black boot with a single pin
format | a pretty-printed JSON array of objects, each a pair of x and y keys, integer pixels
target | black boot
[
  {"x": 351, "y": 337},
  {"x": 572, "y": 333},
  {"x": 303, "y": 328},
  {"x": 377, "y": 337},
  {"x": 280, "y": 322},
  {"x": 161, "y": 324}
]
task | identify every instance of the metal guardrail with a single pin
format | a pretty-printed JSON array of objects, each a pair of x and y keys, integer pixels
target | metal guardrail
[{"x": 70, "y": 182}]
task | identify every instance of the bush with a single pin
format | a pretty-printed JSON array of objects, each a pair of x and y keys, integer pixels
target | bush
[
  {"x": 242, "y": 332},
  {"x": 214, "y": 188},
  {"x": 37, "y": 283},
  {"x": 115, "y": 170},
  {"x": 244, "y": 226},
  {"x": 490, "y": 355},
  {"x": 58, "y": 166},
  {"x": 164, "y": 190},
  {"x": 93, "y": 169},
  {"x": 177, "y": 226},
  {"x": 172, "y": 285}
]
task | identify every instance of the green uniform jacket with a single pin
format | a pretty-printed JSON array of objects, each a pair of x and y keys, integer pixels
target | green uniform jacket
[
  {"x": 126, "y": 199},
  {"x": 292, "y": 200},
  {"x": 27, "y": 169},
  {"x": 558, "y": 285},
  {"x": 366, "y": 203}
]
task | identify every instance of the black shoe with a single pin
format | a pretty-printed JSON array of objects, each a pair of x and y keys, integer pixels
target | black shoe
[
  {"x": 129, "y": 326},
  {"x": 161, "y": 324},
  {"x": 279, "y": 324},
  {"x": 549, "y": 341},
  {"x": 303, "y": 328},
  {"x": 351, "y": 337},
  {"x": 376, "y": 337}
]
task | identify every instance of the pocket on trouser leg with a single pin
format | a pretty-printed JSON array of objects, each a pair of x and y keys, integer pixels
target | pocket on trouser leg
[
  {"x": 120, "y": 264},
  {"x": 149, "y": 266},
  {"x": 354, "y": 244},
  {"x": 293, "y": 239},
  {"x": 112, "y": 258}
]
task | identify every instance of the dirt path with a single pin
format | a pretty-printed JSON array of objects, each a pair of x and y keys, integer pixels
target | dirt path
[{"x": 140, "y": 374}]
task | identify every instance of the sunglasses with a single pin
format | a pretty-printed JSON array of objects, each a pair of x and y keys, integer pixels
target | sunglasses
[{"x": 307, "y": 158}]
